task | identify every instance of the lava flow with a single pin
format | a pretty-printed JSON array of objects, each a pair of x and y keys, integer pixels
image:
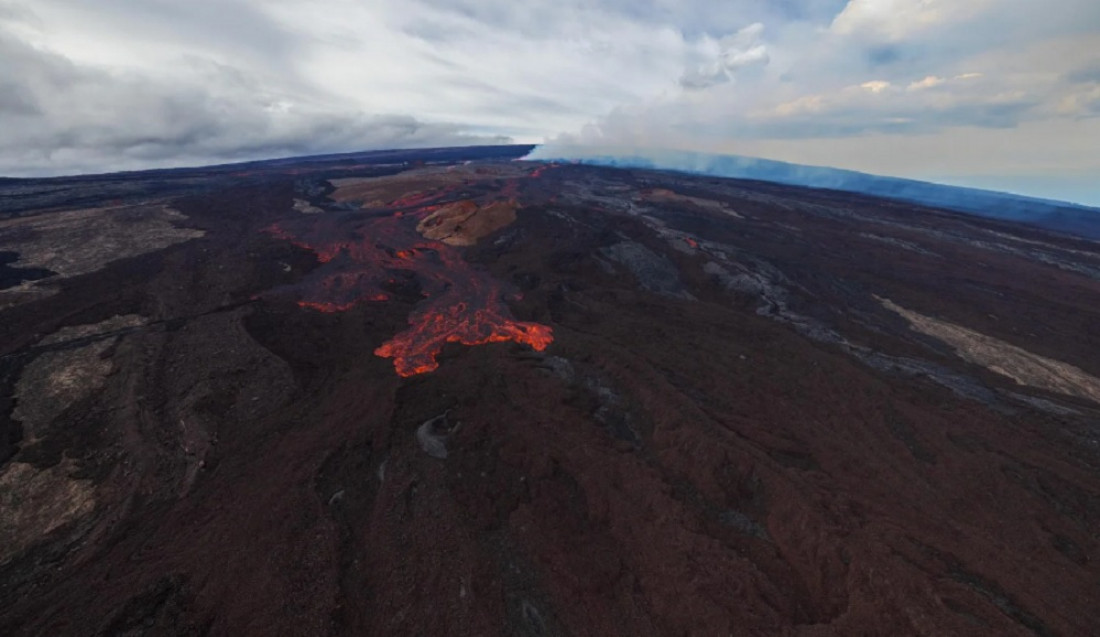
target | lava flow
[
  {"x": 468, "y": 310},
  {"x": 365, "y": 259}
]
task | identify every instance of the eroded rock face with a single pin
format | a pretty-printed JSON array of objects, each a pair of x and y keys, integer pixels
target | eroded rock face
[
  {"x": 1003, "y": 358},
  {"x": 433, "y": 434},
  {"x": 416, "y": 186},
  {"x": 304, "y": 207},
  {"x": 75, "y": 242},
  {"x": 58, "y": 378},
  {"x": 729, "y": 431},
  {"x": 36, "y": 502},
  {"x": 665, "y": 196},
  {"x": 464, "y": 222},
  {"x": 654, "y": 272}
]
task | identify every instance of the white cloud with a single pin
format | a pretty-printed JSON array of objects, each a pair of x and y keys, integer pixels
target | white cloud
[
  {"x": 900, "y": 19},
  {"x": 808, "y": 104},
  {"x": 1080, "y": 102},
  {"x": 62, "y": 117},
  {"x": 158, "y": 75},
  {"x": 929, "y": 81},
  {"x": 103, "y": 84},
  {"x": 727, "y": 56}
]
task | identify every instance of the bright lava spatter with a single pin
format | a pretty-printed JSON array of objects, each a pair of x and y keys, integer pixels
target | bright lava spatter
[{"x": 362, "y": 256}]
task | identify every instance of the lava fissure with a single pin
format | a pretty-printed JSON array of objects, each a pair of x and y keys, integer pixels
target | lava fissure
[{"x": 361, "y": 256}]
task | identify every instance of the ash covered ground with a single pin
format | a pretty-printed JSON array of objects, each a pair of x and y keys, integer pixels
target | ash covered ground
[{"x": 451, "y": 393}]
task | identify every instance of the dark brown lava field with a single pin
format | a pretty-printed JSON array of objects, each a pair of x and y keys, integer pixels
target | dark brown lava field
[{"x": 440, "y": 397}]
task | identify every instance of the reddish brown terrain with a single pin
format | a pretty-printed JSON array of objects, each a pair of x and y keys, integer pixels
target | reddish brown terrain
[{"x": 511, "y": 398}]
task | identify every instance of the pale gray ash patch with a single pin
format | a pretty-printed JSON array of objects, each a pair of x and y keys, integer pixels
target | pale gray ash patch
[{"x": 655, "y": 272}]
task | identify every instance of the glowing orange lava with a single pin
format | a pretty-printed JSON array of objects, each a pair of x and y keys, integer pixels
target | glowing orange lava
[
  {"x": 414, "y": 350},
  {"x": 536, "y": 173},
  {"x": 364, "y": 256}
]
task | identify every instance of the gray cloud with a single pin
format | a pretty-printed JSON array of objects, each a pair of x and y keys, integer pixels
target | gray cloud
[
  {"x": 1085, "y": 75},
  {"x": 67, "y": 117},
  {"x": 732, "y": 53},
  {"x": 105, "y": 84},
  {"x": 16, "y": 100}
]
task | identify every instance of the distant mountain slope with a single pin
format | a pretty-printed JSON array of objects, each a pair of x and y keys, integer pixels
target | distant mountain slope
[
  {"x": 20, "y": 195},
  {"x": 506, "y": 399},
  {"x": 1052, "y": 215}
]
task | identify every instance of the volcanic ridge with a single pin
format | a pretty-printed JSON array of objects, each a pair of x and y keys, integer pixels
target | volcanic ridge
[{"x": 450, "y": 392}]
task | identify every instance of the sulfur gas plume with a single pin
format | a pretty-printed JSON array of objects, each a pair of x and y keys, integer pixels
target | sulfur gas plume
[{"x": 1053, "y": 215}]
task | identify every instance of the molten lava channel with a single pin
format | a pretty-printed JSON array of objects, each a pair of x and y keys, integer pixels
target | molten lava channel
[
  {"x": 414, "y": 350},
  {"x": 364, "y": 258}
]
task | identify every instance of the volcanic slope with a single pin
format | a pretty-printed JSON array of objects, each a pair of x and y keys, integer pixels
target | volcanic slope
[{"x": 512, "y": 398}]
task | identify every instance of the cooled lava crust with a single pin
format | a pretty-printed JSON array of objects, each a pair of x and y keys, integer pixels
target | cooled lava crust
[{"x": 494, "y": 397}]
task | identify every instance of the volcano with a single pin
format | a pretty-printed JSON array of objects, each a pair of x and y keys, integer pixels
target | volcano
[{"x": 453, "y": 392}]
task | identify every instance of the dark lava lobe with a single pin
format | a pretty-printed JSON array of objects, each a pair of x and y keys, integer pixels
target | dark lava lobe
[{"x": 757, "y": 409}]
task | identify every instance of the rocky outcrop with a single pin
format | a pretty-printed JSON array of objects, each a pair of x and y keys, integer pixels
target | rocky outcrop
[
  {"x": 462, "y": 223},
  {"x": 1008, "y": 360}
]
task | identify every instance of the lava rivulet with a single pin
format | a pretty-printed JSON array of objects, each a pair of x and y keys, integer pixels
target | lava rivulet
[
  {"x": 366, "y": 257},
  {"x": 469, "y": 311}
]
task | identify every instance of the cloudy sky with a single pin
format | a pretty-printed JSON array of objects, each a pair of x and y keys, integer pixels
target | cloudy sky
[{"x": 994, "y": 93}]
